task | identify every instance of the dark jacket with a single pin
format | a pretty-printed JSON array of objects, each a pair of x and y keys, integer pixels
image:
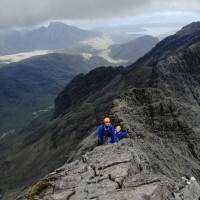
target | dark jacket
[
  {"x": 120, "y": 135},
  {"x": 107, "y": 132}
]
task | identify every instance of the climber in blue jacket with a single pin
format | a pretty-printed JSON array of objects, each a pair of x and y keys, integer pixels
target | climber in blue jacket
[
  {"x": 106, "y": 130},
  {"x": 119, "y": 134}
]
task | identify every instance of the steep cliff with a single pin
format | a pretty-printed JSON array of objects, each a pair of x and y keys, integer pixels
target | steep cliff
[{"x": 56, "y": 36}]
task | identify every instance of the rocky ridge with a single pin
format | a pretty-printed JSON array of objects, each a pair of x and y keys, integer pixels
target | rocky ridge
[{"x": 117, "y": 171}]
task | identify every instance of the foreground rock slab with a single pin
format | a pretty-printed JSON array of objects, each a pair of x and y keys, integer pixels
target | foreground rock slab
[{"x": 111, "y": 172}]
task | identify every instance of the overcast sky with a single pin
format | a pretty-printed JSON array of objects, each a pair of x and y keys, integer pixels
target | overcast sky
[{"x": 22, "y": 13}]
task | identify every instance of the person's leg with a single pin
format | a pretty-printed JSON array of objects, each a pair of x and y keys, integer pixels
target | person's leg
[
  {"x": 110, "y": 137},
  {"x": 122, "y": 135},
  {"x": 109, "y": 140},
  {"x": 100, "y": 139}
]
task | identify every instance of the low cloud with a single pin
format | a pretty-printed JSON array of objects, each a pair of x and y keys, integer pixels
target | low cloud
[{"x": 30, "y": 12}]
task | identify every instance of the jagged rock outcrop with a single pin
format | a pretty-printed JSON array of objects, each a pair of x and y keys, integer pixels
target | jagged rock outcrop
[
  {"x": 83, "y": 86},
  {"x": 162, "y": 126},
  {"x": 115, "y": 171},
  {"x": 179, "y": 75},
  {"x": 184, "y": 38},
  {"x": 166, "y": 115}
]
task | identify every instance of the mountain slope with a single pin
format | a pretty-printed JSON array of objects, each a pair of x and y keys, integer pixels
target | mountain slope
[
  {"x": 163, "y": 128},
  {"x": 32, "y": 84},
  {"x": 49, "y": 146},
  {"x": 187, "y": 36},
  {"x": 134, "y": 49},
  {"x": 57, "y": 35},
  {"x": 158, "y": 105}
]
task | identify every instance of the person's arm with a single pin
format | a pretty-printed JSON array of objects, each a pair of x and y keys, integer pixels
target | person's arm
[
  {"x": 114, "y": 134},
  {"x": 123, "y": 134}
]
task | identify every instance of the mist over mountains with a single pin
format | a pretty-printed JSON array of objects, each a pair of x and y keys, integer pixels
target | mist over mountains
[
  {"x": 56, "y": 36},
  {"x": 134, "y": 49}
]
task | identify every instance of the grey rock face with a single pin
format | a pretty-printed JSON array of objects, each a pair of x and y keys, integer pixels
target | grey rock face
[
  {"x": 161, "y": 128},
  {"x": 114, "y": 172},
  {"x": 187, "y": 189},
  {"x": 107, "y": 172},
  {"x": 179, "y": 75}
]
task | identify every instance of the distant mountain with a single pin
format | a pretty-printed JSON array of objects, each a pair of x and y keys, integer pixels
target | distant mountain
[
  {"x": 133, "y": 49},
  {"x": 32, "y": 84},
  {"x": 187, "y": 36},
  {"x": 57, "y": 35}
]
